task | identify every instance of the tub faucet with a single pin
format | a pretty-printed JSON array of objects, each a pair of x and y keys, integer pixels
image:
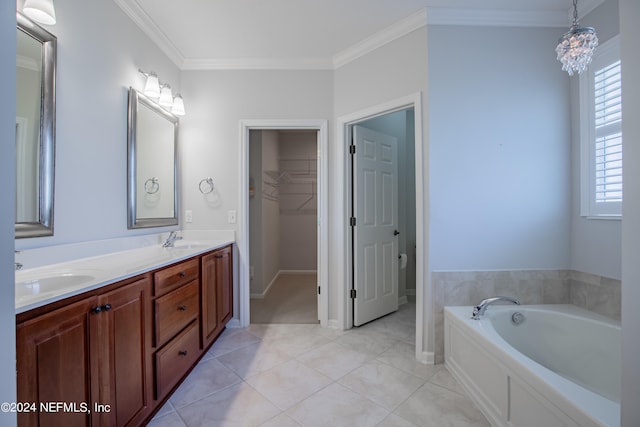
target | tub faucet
[
  {"x": 173, "y": 236},
  {"x": 18, "y": 265},
  {"x": 479, "y": 309}
]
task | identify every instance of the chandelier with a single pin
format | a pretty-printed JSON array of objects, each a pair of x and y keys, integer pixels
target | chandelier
[{"x": 575, "y": 48}]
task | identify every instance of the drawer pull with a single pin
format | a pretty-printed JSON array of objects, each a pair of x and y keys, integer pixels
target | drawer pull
[
  {"x": 182, "y": 352},
  {"x": 219, "y": 256},
  {"x": 182, "y": 308},
  {"x": 183, "y": 274}
]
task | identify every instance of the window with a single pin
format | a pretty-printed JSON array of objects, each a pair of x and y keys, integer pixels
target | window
[{"x": 601, "y": 134}]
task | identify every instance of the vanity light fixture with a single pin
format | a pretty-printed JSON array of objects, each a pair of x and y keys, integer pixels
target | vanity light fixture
[
  {"x": 575, "y": 48},
  {"x": 178, "y": 106},
  {"x": 41, "y": 11},
  {"x": 161, "y": 94},
  {"x": 152, "y": 85},
  {"x": 166, "y": 97}
]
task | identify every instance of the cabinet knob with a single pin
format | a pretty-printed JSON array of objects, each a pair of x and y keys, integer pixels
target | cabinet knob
[
  {"x": 182, "y": 308},
  {"x": 183, "y": 273},
  {"x": 106, "y": 307},
  {"x": 182, "y": 352},
  {"x": 96, "y": 310}
]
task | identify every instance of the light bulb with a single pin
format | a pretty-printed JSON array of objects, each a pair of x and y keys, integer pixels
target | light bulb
[
  {"x": 41, "y": 11},
  {"x": 178, "y": 106},
  {"x": 152, "y": 86},
  {"x": 166, "y": 98}
]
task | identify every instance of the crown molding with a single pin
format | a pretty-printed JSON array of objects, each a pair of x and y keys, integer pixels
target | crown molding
[
  {"x": 497, "y": 18},
  {"x": 258, "y": 64},
  {"x": 381, "y": 38},
  {"x": 146, "y": 24},
  {"x": 428, "y": 16}
]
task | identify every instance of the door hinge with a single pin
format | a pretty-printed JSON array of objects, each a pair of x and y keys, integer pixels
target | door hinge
[
  {"x": 352, "y": 149},
  {"x": 353, "y": 294},
  {"x": 352, "y": 221},
  {"x": 318, "y": 290}
]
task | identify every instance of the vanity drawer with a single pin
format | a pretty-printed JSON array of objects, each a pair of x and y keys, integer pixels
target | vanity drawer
[
  {"x": 175, "y": 310},
  {"x": 176, "y": 358},
  {"x": 174, "y": 276}
]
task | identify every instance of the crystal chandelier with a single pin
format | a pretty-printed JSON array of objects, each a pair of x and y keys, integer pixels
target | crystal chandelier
[{"x": 576, "y": 46}]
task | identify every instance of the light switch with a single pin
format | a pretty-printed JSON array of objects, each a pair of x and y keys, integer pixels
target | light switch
[
  {"x": 231, "y": 217},
  {"x": 188, "y": 216}
]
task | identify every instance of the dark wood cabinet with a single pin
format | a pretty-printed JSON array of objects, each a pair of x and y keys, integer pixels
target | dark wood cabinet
[
  {"x": 217, "y": 296},
  {"x": 91, "y": 354},
  {"x": 55, "y": 363},
  {"x": 125, "y": 339},
  {"x": 114, "y": 355}
]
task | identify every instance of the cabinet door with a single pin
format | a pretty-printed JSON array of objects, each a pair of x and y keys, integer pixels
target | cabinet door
[
  {"x": 224, "y": 284},
  {"x": 125, "y": 338},
  {"x": 217, "y": 299},
  {"x": 54, "y": 364}
]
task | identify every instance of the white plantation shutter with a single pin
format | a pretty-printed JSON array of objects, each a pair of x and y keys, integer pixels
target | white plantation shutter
[
  {"x": 608, "y": 134},
  {"x": 601, "y": 133}
]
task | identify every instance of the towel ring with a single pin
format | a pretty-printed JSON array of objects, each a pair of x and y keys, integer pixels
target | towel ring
[
  {"x": 151, "y": 185},
  {"x": 206, "y": 185}
]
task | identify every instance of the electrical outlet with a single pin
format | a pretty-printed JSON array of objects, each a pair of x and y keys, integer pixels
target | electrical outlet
[
  {"x": 188, "y": 216},
  {"x": 231, "y": 217}
]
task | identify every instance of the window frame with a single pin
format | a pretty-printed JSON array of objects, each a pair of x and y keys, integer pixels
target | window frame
[{"x": 606, "y": 54}]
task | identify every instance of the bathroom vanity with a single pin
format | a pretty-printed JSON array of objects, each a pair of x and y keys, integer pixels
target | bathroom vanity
[{"x": 112, "y": 355}]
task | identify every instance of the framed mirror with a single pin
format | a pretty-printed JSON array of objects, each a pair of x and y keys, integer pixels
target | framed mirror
[
  {"x": 35, "y": 128},
  {"x": 152, "y": 164}
]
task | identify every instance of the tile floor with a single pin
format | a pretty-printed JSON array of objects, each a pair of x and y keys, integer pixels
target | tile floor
[{"x": 303, "y": 375}]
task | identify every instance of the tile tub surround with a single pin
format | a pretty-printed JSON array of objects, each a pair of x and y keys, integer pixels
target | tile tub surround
[{"x": 596, "y": 293}]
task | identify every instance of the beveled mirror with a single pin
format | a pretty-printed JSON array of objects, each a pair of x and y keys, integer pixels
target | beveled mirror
[
  {"x": 35, "y": 128},
  {"x": 152, "y": 171}
]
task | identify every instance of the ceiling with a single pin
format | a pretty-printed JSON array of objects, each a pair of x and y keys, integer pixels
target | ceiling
[{"x": 315, "y": 34}]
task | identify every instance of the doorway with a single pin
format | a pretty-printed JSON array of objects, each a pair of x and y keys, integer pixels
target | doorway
[
  {"x": 283, "y": 217},
  {"x": 383, "y": 212},
  {"x": 343, "y": 270},
  {"x": 320, "y": 127}
]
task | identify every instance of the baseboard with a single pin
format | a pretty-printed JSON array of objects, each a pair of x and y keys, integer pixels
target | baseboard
[
  {"x": 263, "y": 295},
  {"x": 402, "y": 300},
  {"x": 233, "y": 323},
  {"x": 427, "y": 357},
  {"x": 333, "y": 324},
  {"x": 298, "y": 272}
]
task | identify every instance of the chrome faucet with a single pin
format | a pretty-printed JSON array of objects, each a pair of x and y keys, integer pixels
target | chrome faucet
[
  {"x": 171, "y": 240},
  {"x": 18, "y": 265},
  {"x": 479, "y": 309}
]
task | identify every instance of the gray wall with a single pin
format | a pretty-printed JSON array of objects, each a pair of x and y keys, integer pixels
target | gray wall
[
  {"x": 499, "y": 141},
  {"x": 298, "y": 226},
  {"x": 392, "y": 71},
  {"x": 603, "y": 258},
  {"x": 630, "y": 34},
  {"x": 7, "y": 212},
  {"x": 99, "y": 52},
  {"x": 264, "y": 210}
]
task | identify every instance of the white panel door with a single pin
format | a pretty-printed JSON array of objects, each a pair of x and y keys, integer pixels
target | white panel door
[{"x": 375, "y": 207}]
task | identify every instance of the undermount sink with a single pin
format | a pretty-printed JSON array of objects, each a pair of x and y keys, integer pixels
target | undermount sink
[
  {"x": 51, "y": 283},
  {"x": 189, "y": 245}
]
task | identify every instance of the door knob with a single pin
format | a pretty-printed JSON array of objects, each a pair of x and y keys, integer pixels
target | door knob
[{"x": 396, "y": 232}]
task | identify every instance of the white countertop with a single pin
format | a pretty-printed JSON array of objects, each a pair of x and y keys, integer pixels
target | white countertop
[{"x": 48, "y": 283}]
